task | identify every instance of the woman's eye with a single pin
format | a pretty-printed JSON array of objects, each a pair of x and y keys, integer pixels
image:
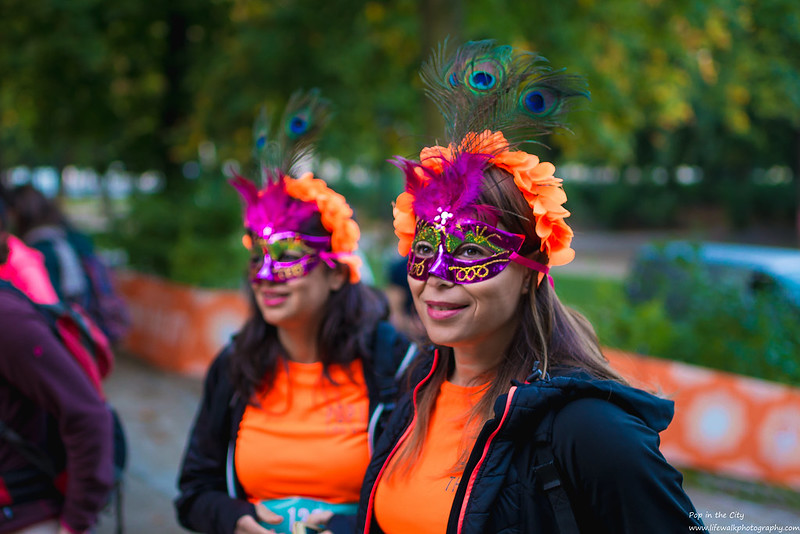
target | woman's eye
[
  {"x": 290, "y": 256},
  {"x": 471, "y": 252},
  {"x": 423, "y": 249}
]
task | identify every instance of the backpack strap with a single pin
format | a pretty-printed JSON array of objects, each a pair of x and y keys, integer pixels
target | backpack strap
[
  {"x": 549, "y": 479},
  {"x": 388, "y": 368},
  {"x": 33, "y": 454},
  {"x": 83, "y": 339}
]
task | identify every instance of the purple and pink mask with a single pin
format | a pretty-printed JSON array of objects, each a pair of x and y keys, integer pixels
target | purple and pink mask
[
  {"x": 279, "y": 252},
  {"x": 284, "y": 256},
  {"x": 464, "y": 252},
  {"x": 449, "y": 242}
]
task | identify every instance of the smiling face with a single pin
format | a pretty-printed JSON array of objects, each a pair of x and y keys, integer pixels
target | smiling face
[
  {"x": 479, "y": 316},
  {"x": 299, "y": 302},
  {"x": 290, "y": 278}
]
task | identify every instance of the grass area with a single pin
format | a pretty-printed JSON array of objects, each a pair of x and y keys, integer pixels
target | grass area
[
  {"x": 596, "y": 298},
  {"x": 752, "y": 491},
  {"x": 720, "y": 327}
]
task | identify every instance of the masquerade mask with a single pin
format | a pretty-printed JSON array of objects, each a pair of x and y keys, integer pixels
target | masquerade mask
[
  {"x": 285, "y": 256},
  {"x": 466, "y": 252},
  {"x": 275, "y": 213}
]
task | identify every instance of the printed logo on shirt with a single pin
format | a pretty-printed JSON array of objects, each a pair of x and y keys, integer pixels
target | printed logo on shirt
[{"x": 344, "y": 418}]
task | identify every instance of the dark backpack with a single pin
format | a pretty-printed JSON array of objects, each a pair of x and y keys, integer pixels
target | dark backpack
[
  {"x": 91, "y": 349},
  {"x": 105, "y": 305}
]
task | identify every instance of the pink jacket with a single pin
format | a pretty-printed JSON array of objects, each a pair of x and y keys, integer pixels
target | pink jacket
[{"x": 25, "y": 269}]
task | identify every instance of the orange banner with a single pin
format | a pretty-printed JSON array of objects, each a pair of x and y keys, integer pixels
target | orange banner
[{"x": 179, "y": 328}]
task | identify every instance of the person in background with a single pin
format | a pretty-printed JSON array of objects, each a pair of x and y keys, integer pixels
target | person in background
[
  {"x": 41, "y": 225},
  {"x": 401, "y": 305},
  {"x": 76, "y": 272},
  {"x": 52, "y": 420},
  {"x": 24, "y": 266},
  {"x": 519, "y": 424},
  {"x": 292, "y": 405}
]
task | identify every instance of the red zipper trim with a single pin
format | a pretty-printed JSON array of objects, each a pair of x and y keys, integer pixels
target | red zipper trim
[
  {"x": 371, "y": 502},
  {"x": 474, "y": 474}
]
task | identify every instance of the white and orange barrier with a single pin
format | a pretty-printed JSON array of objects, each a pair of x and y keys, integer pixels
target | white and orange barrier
[
  {"x": 177, "y": 327},
  {"x": 724, "y": 423}
]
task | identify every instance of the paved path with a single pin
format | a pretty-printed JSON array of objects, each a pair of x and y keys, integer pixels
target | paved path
[{"x": 158, "y": 409}]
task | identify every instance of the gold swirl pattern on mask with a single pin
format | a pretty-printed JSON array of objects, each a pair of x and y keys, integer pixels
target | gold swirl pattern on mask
[
  {"x": 295, "y": 271},
  {"x": 417, "y": 268},
  {"x": 471, "y": 272}
]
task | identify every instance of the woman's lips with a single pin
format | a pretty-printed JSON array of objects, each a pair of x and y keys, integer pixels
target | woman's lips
[
  {"x": 269, "y": 298},
  {"x": 442, "y": 310}
]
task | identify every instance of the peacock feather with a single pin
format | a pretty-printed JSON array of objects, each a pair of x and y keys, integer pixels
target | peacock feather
[
  {"x": 279, "y": 148},
  {"x": 484, "y": 86}
]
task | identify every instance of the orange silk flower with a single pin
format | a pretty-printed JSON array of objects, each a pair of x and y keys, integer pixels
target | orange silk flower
[
  {"x": 535, "y": 179},
  {"x": 336, "y": 216}
]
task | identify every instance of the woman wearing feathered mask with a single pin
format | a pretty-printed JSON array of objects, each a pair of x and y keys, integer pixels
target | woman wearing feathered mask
[
  {"x": 518, "y": 424},
  {"x": 292, "y": 405}
]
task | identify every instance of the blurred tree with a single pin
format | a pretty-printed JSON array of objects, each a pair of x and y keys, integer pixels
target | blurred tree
[
  {"x": 88, "y": 82},
  {"x": 713, "y": 83}
]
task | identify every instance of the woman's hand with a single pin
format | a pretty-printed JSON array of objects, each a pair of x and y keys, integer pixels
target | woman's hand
[
  {"x": 247, "y": 524},
  {"x": 320, "y": 517}
]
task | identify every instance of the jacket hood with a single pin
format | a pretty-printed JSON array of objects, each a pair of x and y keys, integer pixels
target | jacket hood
[{"x": 532, "y": 400}]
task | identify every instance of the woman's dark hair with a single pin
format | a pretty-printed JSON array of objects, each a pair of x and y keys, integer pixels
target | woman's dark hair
[
  {"x": 32, "y": 209},
  {"x": 549, "y": 335},
  {"x": 349, "y": 320}
]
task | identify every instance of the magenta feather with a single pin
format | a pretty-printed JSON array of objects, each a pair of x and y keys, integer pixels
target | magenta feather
[
  {"x": 455, "y": 190},
  {"x": 272, "y": 207}
]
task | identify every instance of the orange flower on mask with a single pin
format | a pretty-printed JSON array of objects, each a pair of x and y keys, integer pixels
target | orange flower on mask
[
  {"x": 405, "y": 222},
  {"x": 336, "y": 216}
]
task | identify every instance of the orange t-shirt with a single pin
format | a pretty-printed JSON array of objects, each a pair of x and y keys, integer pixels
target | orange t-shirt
[
  {"x": 308, "y": 438},
  {"x": 420, "y": 502}
]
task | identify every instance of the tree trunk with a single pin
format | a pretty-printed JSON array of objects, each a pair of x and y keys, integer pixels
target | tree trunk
[
  {"x": 175, "y": 101},
  {"x": 441, "y": 19}
]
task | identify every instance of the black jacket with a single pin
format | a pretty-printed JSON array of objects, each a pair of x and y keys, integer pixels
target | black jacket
[
  {"x": 604, "y": 439},
  {"x": 211, "y": 498}
]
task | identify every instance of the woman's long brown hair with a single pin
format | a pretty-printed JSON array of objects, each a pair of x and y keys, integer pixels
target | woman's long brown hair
[{"x": 549, "y": 333}]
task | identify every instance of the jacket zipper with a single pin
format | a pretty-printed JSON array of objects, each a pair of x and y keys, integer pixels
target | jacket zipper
[
  {"x": 474, "y": 474},
  {"x": 371, "y": 501}
]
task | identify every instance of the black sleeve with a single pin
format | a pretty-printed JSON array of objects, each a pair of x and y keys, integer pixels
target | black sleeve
[
  {"x": 618, "y": 479},
  {"x": 203, "y": 503},
  {"x": 342, "y": 524}
]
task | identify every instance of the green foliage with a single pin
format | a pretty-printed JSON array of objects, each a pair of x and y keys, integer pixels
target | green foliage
[
  {"x": 622, "y": 205},
  {"x": 88, "y": 82},
  {"x": 195, "y": 241},
  {"x": 716, "y": 324}
]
